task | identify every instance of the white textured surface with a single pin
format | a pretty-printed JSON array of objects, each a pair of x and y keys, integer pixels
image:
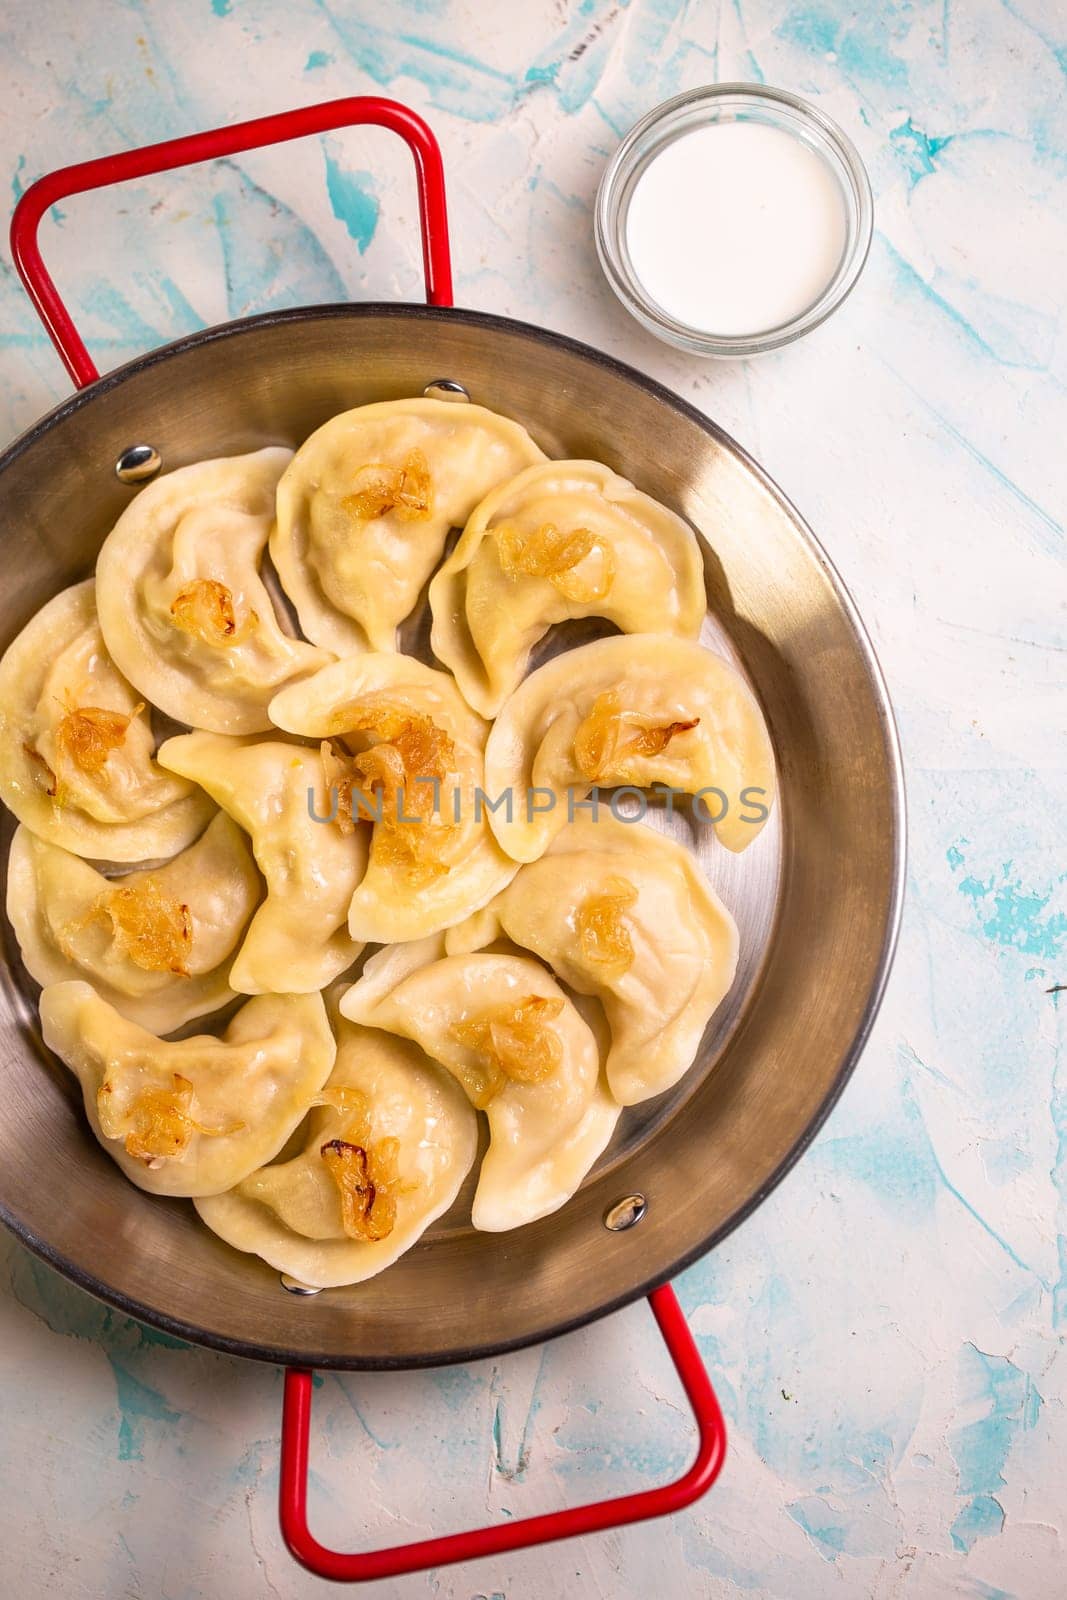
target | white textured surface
[{"x": 887, "y": 1332}]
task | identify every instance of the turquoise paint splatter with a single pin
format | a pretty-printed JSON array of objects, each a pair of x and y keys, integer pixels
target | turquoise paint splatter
[
  {"x": 221, "y": 8},
  {"x": 1016, "y": 918},
  {"x": 138, "y": 1405},
  {"x": 17, "y": 185},
  {"x": 1011, "y": 1405},
  {"x": 916, "y": 149},
  {"x": 353, "y": 201},
  {"x": 317, "y": 58},
  {"x": 860, "y": 45},
  {"x": 826, "y": 1528},
  {"x": 954, "y": 854},
  {"x": 981, "y": 1518}
]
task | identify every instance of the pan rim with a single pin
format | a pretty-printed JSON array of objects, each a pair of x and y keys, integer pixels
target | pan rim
[{"x": 491, "y": 322}]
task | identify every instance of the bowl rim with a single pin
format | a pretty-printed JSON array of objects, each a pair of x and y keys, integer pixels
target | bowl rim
[{"x": 628, "y": 287}]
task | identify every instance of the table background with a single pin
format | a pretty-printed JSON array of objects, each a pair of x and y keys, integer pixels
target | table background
[{"x": 887, "y": 1333}]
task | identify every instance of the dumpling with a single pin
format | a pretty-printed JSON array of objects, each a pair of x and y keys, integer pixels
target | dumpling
[
  {"x": 410, "y": 756},
  {"x": 76, "y": 744},
  {"x": 192, "y": 1116},
  {"x": 385, "y": 1155},
  {"x": 155, "y": 944},
  {"x": 641, "y": 710},
  {"x": 564, "y": 539},
  {"x": 367, "y": 505},
  {"x": 514, "y": 1041},
  {"x": 183, "y": 609},
  {"x": 297, "y": 940},
  {"x": 621, "y": 912}
]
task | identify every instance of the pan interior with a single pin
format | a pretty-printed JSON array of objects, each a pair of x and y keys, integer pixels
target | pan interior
[{"x": 816, "y": 897}]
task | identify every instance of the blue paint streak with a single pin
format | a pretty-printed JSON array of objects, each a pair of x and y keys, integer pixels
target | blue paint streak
[
  {"x": 185, "y": 314},
  {"x": 276, "y": 260},
  {"x": 826, "y": 1528},
  {"x": 574, "y": 62},
  {"x": 1050, "y": 523},
  {"x": 1011, "y": 1405},
  {"x": 353, "y": 201},
  {"x": 454, "y": 81},
  {"x": 317, "y": 58},
  {"x": 138, "y": 1404},
  {"x": 905, "y": 1170},
  {"x": 17, "y": 186}
]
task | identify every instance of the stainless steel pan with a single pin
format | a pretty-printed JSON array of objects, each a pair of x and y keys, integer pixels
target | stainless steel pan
[{"x": 817, "y": 897}]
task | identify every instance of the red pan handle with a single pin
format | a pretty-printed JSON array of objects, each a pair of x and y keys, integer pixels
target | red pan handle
[
  {"x": 195, "y": 147},
  {"x": 363, "y": 1566}
]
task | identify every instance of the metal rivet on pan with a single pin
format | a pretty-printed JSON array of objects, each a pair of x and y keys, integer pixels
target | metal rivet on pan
[
  {"x": 137, "y": 464},
  {"x": 293, "y": 1286},
  {"x": 445, "y": 389},
  {"x": 625, "y": 1213}
]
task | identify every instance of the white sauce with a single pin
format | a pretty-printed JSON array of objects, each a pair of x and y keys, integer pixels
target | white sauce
[{"x": 735, "y": 228}]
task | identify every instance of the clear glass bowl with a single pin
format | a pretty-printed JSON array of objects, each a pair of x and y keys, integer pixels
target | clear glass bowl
[{"x": 696, "y": 109}]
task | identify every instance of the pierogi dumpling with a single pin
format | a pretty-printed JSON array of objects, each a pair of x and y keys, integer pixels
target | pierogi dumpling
[
  {"x": 506, "y": 1031},
  {"x": 297, "y": 941},
  {"x": 192, "y": 1116},
  {"x": 76, "y": 744},
  {"x": 622, "y": 913},
  {"x": 183, "y": 609},
  {"x": 156, "y": 944},
  {"x": 386, "y": 1152},
  {"x": 641, "y": 710},
  {"x": 367, "y": 505},
  {"x": 564, "y": 539},
  {"x": 409, "y": 754}
]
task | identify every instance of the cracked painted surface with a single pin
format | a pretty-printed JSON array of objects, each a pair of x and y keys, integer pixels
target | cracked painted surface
[{"x": 887, "y": 1333}]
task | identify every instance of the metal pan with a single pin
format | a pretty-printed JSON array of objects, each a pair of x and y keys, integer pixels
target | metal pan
[{"x": 817, "y": 897}]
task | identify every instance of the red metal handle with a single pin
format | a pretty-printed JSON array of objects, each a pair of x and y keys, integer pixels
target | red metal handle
[
  {"x": 359, "y": 1568},
  {"x": 196, "y": 147}
]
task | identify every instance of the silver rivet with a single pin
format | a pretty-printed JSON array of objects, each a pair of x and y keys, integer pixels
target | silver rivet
[
  {"x": 294, "y": 1286},
  {"x": 137, "y": 464},
  {"x": 446, "y": 389},
  {"x": 625, "y": 1213}
]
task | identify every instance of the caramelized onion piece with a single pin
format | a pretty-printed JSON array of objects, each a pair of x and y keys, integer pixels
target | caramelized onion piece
[
  {"x": 151, "y": 928},
  {"x": 204, "y": 609},
  {"x": 87, "y": 735},
  {"x": 406, "y": 490},
  {"x": 158, "y": 1125},
  {"x": 549, "y": 553},
  {"x": 610, "y": 736},
  {"x": 339, "y": 774},
  {"x": 603, "y": 938},
  {"x": 513, "y": 1041},
  {"x": 366, "y": 1171},
  {"x": 409, "y": 746}
]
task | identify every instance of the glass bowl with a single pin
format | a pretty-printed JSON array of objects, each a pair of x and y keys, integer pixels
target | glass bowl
[{"x": 697, "y": 108}]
